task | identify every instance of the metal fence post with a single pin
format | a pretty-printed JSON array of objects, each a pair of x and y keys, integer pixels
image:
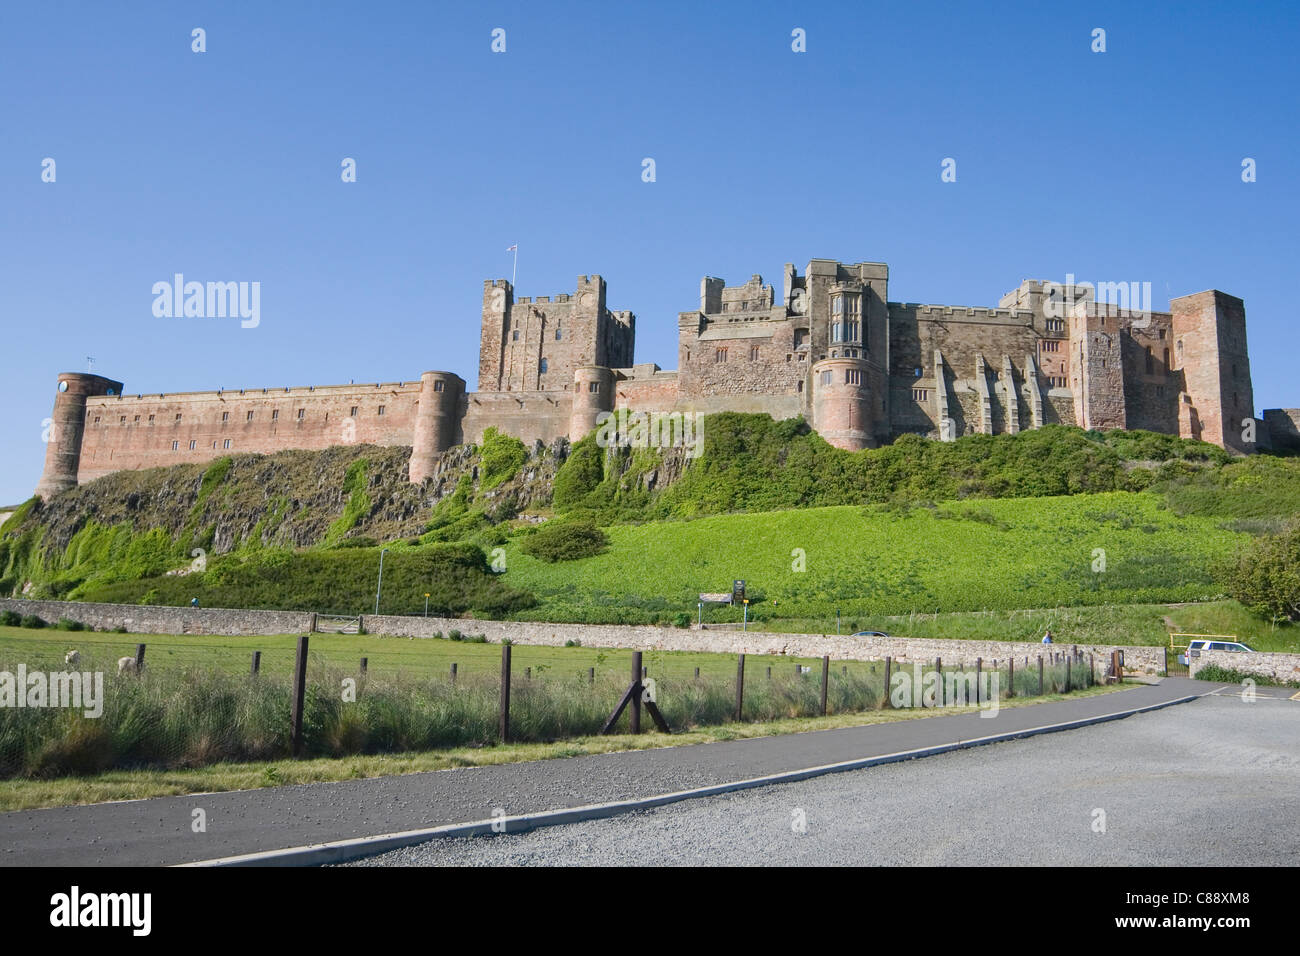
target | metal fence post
[
  {"x": 740, "y": 686},
  {"x": 503, "y": 727},
  {"x": 299, "y": 693}
]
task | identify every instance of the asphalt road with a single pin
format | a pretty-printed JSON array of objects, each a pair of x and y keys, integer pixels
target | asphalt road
[
  {"x": 1213, "y": 782},
  {"x": 158, "y": 831}
]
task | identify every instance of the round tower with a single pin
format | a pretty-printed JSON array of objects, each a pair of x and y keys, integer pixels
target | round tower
[
  {"x": 841, "y": 403},
  {"x": 437, "y": 421},
  {"x": 593, "y": 393},
  {"x": 67, "y": 426}
]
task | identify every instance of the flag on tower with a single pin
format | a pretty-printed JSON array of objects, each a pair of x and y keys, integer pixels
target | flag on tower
[{"x": 514, "y": 248}]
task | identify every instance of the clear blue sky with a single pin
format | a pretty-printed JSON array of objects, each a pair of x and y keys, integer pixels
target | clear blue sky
[{"x": 225, "y": 165}]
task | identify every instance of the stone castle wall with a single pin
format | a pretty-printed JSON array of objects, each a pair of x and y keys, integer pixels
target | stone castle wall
[{"x": 549, "y": 365}]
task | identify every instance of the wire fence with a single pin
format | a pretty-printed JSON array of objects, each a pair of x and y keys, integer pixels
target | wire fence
[{"x": 192, "y": 705}]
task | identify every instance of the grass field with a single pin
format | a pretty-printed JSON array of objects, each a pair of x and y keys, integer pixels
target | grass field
[
  {"x": 1116, "y": 548},
  {"x": 389, "y": 656}
]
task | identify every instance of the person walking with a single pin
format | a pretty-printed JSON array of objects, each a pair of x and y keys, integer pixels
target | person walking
[{"x": 1047, "y": 638}]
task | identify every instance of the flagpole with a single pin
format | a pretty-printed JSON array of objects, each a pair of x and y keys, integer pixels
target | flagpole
[{"x": 515, "y": 268}]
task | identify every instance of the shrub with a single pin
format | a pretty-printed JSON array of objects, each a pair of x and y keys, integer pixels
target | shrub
[
  {"x": 31, "y": 620},
  {"x": 68, "y": 624},
  {"x": 681, "y": 619},
  {"x": 502, "y": 456},
  {"x": 1265, "y": 576},
  {"x": 565, "y": 541},
  {"x": 453, "y": 635},
  {"x": 572, "y": 643},
  {"x": 10, "y": 618}
]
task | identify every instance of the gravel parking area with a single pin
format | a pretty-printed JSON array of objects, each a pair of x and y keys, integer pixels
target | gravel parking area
[{"x": 1214, "y": 782}]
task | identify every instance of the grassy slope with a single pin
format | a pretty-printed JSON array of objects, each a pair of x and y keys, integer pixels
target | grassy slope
[{"x": 960, "y": 556}]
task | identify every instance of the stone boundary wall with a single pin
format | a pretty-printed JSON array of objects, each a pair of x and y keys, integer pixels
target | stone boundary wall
[
  {"x": 1278, "y": 667},
  {"x": 142, "y": 619},
  {"x": 1140, "y": 659}
]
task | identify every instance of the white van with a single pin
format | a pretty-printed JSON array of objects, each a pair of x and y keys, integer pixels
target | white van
[{"x": 1194, "y": 648}]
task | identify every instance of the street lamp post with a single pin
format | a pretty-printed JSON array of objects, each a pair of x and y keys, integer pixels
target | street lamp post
[
  {"x": 700, "y": 621},
  {"x": 745, "y": 627},
  {"x": 426, "y": 603},
  {"x": 380, "y": 586},
  {"x": 837, "y": 622}
]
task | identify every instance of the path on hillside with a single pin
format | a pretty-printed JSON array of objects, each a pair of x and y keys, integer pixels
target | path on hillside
[{"x": 158, "y": 831}]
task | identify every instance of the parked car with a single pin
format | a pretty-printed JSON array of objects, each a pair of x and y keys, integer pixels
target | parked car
[
  {"x": 869, "y": 634},
  {"x": 1202, "y": 645}
]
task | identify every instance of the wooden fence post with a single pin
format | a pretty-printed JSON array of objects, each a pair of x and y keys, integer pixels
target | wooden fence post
[
  {"x": 591, "y": 675},
  {"x": 365, "y": 661},
  {"x": 637, "y": 673},
  {"x": 299, "y": 693},
  {"x": 979, "y": 667},
  {"x": 697, "y": 673},
  {"x": 888, "y": 665},
  {"x": 503, "y": 726},
  {"x": 1040, "y": 675},
  {"x": 1067, "y": 674},
  {"x": 453, "y": 672},
  {"x": 1011, "y": 677},
  {"x": 528, "y": 673},
  {"x": 769, "y": 673},
  {"x": 139, "y": 658},
  {"x": 938, "y": 667},
  {"x": 826, "y": 676},
  {"x": 740, "y": 687},
  {"x": 257, "y": 663}
]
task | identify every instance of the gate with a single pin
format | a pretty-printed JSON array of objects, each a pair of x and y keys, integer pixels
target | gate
[{"x": 337, "y": 624}]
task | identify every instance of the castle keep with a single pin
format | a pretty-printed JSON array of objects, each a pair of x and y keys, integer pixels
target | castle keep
[{"x": 860, "y": 368}]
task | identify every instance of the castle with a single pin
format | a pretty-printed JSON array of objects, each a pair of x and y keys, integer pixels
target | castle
[{"x": 861, "y": 369}]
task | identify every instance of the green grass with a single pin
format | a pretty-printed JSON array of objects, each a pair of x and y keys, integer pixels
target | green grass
[{"x": 957, "y": 556}]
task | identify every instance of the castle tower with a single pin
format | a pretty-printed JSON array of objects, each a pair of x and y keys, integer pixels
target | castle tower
[
  {"x": 593, "y": 393},
  {"x": 437, "y": 421},
  {"x": 68, "y": 424},
  {"x": 1209, "y": 331},
  {"x": 842, "y": 406},
  {"x": 498, "y": 300},
  {"x": 1096, "y": 368}
]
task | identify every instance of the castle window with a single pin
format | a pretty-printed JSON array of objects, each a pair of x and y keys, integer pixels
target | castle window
[
  {"x": 514, "y": 336},
  {"x": 225, "y": 416},
  {"x": 437, "y": 387},
  {"x": 96, "y": 419},
  {"x": 800, "y": 338},
  {"x": 381, "y": 409},
  {"x": 1160, "y": 391},
  {"x": 302, "y": 413},
  {"x": 827, "y": 377},
  {"x": 249, "y": 417},
  {"x": 275, "y": 414},
  {"x": 852, "y": 376},
  {"x": 136, "y": 419},
  {"x": 916, "y": 372},
  {"x": 593, "y": 387},
  {"x": 720, "y": 355},
  {"x": 558, "y": 336},
  {"x": 1166, "y": 359},
  {"x": 1056, "y": 325},
  {"x": 1049, "y": 346},
  {"x": 176, "y": 446},
  {"x": 798, "y": 386},
  {"x": 1162, "y": 333},
  {"x": 541, "y": 366},
  {"x": 193, "y": 444},
  {"x": 1151, "y": 362},
  {"x": 214, "y": 446},
  {"x": 753, "y": 354},
  {"x": 920, "y": 394},
  {"x": 151, "y": 419},
  {"x": 122, "y": 420},
  {"x": 226, "y": 443},
  {"x": 353, "y": 413},
  {"x": 178, "y": 417}
]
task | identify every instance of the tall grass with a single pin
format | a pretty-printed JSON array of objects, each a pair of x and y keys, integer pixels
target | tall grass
[{"x": 199, "y": 716}]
